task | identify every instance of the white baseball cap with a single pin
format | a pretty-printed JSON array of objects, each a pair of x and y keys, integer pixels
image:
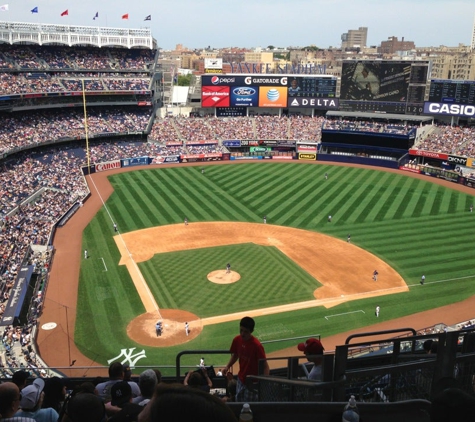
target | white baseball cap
[{"x": 30, "y": 395}]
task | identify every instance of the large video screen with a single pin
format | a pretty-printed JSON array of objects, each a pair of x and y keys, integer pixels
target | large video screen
[{"x": 383, "y": 86}]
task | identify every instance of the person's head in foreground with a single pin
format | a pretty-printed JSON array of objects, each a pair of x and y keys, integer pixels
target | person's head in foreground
[
  {"x": 177, "y": 403},
  {"x": 312, "y": 348}
]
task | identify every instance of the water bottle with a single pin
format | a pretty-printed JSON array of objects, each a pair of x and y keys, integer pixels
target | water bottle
[
  {"x": 246, "y": 413},
  {"x": 351, "y": 412}
]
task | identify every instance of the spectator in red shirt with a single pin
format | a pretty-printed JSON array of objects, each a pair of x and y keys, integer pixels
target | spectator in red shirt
[{"x": 248, "y": 350}]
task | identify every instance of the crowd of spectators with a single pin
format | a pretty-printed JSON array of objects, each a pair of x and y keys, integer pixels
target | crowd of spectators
[
  {"x": 27, "y": 83},
  {"x": 262, "y": 127},
  {"x": 193, "y": 129},
  {"x": 236, "y": 128},
  {"x": 78, "y": 58},
  {"x": 37, "y": 189},
  {"x": 30, "y": 129},
  {"x": 204, "y": 149},
  {"x": 28, "y": 69},
  {"x": 358, "y": 125},
  {"x": 454, "y": 140}
]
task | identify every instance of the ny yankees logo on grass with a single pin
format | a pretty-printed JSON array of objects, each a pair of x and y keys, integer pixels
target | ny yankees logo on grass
[{"x": 129, "y": 358}]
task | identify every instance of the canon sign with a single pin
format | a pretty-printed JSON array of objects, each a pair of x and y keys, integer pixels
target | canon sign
[
  {"x": 108, "y": 166},
  {"x": 449, "y": 109}
]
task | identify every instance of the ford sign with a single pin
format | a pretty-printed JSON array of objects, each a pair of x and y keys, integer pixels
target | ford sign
[{"x": 244, "y": 91}]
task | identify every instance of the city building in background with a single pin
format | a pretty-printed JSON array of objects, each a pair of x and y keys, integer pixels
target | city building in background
[{"x": 354, "y": 38}]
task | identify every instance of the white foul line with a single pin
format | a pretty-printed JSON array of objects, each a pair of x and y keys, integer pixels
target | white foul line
[
  {"x": 104, "y": 264},
  {"x": 345, "y": 313},
  {"x": 143, "y": 282}
]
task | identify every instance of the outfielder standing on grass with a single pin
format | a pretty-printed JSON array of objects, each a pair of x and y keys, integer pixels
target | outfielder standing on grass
[
  {"x": 376, "y": 312},
  {"x": 249, "y": 351},
  {"x": 85, "y": 253}
]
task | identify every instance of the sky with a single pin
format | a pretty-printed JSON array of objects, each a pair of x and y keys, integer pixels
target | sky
[{"x": 261, "y": 23}]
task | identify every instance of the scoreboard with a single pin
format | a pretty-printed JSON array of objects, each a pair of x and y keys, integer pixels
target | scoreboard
[
  {"x": 452, "y": 91},
  {"x": 384, "y": 86},
  {"x": 316, "y": 87}
]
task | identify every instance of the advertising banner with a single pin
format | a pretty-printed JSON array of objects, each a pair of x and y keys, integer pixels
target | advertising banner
[
  {"x": 318, "y": 103},
  {"x": 282, "y": 157},
  {"x": 428, "y": 154},
  {"x": 136, "y": 161},
  {"x": 307, "y": 156},
  {"x": 215, "y": 96},
  {"x": 260, "y": 149},
  {"x": 244, "y": 96},
  {"x": 453, "y": 159},
  {"x": 17, "y": 296},
  {"x": 272, "y": 96},
  {"x": 164, "y": 159},
  {"x": 198, "y": 143},
  {"x": 108, "y": 165},
  {"x": 449, "y": 109},
  {"x": 214, "y": 63},
  {"x": 200, "y": 156},
  {"x": 232, "y": 144},
  {"x": 306, "y": 148},
  {"x": 249, "y": 143},
  {"x": 243, "y": 80}
]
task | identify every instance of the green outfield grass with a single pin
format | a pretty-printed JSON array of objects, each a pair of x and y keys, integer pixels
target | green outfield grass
[{"x": 416, "y": 226}]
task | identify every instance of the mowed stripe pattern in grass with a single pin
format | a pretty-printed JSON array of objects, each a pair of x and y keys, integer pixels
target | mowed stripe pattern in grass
[
  {"x": 417, "y": 226},
  {"x": 268, "y": 278}
]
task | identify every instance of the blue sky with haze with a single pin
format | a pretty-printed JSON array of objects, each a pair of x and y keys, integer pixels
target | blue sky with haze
[{"x": 259, "y": 23}]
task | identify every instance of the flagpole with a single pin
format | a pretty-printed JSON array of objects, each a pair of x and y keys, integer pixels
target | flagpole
[{"x": 85, "y": 129}]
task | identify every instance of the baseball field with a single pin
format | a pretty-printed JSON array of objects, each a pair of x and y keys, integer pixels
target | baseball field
[{"x": 297, "y": 274}]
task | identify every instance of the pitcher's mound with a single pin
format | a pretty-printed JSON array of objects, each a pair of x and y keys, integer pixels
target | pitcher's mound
[
  {"x": 142, "y": 328},
  {"x": 222, "y": 277}
]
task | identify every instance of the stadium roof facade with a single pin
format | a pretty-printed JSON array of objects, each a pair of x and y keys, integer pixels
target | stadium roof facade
[{"x": 70, "y": 35}]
